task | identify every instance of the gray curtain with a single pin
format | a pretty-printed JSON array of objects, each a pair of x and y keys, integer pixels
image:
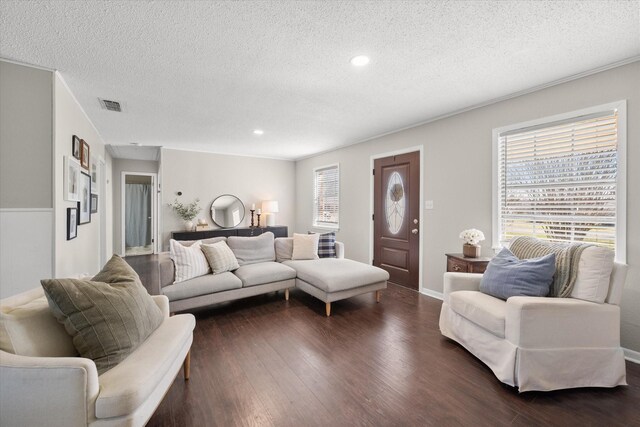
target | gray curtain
[{"x": 137, "y": 215}]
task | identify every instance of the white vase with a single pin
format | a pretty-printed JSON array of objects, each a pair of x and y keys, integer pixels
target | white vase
[{"x": 188, "y": 225}]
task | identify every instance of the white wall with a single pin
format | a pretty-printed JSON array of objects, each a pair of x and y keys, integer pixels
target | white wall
[
  {"x": 82, "y": 254},
  {"x": 26, "y": 192},
  {"x": 457, "y": 176},
  {"x": 206, "y": 176},
  {"x": 119, "y": 166}
]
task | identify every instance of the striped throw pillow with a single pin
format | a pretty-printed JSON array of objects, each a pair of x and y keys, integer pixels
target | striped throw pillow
[
  {"x": 189, "y": 261},
  {"x": 327, "y": 245},
  {"x": 220, "y": 257}
]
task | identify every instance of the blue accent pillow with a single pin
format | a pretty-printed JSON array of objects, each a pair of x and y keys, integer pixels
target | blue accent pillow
[
  {"x": 326, "y": 245},
  {"x": 508, "y": 276}
]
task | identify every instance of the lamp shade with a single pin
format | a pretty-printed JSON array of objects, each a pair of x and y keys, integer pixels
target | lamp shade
[{"x": 270, "y": 206}]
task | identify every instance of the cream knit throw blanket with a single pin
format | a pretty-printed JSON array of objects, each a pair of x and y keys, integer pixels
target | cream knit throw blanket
[{"x": 567, "y": 260}]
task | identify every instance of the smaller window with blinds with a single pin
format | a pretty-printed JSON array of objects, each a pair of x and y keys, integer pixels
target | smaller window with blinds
[
  {"x": 560, "y": 179},
  {"x": 326, "y": 197}
]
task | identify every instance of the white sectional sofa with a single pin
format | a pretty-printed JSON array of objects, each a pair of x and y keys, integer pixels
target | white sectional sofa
[{"x": 264, "y": 271}]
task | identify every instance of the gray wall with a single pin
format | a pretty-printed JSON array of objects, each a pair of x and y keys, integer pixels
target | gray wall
[
  {"x": 206, "y": 176},
  {"x": 119, "y": 166},
  {"x": 26, "y": 141},
  {"x": 457, "y": 176},
  {"x": 82, "y": 254}
]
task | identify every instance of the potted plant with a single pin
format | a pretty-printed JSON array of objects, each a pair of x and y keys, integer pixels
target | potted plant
[
  {"x": 471, "y": 238},
  {"x": 186, "y": 212}
]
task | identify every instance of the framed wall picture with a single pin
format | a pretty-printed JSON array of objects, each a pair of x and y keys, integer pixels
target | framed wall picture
[
  {"x": 84, "y": 154},
  {"x": 71, "y": 179},
  {"x": 75, "y": 147},
  {"x": 94, "y": 202},
  {"x": 72, "y": 223},
  {"x": 84, "y": 205},
  {"x": 94, "y": 174}
]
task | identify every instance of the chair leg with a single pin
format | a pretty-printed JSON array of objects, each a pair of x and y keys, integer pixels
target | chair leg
[
  {"x": 187, "y": 366},
  {"x": 286, "y": 294},
  {"x": 378, "y": 293},
  {"x": 327, "y": 308}
]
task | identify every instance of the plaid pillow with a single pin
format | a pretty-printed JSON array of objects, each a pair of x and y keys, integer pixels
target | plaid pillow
[{"x": 326, "y": 245}]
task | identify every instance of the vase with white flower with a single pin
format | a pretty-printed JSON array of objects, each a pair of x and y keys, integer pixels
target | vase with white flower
[
  {"x": 187, "y": 212},
  {"x": 471, "y": 238}
]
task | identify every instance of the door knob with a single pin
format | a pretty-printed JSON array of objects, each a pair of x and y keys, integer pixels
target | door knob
[{"x": 414, "y": 231}]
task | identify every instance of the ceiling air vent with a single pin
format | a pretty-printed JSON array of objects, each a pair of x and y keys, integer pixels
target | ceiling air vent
[{"x": 110, "y": 105}]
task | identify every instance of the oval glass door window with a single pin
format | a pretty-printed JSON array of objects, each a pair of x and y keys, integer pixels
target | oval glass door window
[{"x": 395, "y": 203}]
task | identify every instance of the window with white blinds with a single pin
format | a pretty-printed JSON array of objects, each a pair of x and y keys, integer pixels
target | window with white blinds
[
  {"x": 326, "y": 197},
  {"x": 559, "y": 180}
]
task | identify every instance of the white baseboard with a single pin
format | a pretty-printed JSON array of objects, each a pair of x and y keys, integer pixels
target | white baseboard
[
  {"x": 432, "y": 294},
  {"x": 631, "y": 355}
]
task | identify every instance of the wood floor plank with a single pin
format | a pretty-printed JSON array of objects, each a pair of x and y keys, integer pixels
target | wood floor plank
[{"x": 267, "y": 361}]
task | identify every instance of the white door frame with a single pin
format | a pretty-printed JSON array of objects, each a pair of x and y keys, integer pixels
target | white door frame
[
  {"x": 419, "y": 148},
  {"x": 154, "y": 208},
  {"x": 102, "y": 209}
]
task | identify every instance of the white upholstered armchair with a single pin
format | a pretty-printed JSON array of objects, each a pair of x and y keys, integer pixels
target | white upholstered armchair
[
  {"x": 44, "y": 383},
  {"x": 535, "y": 343}
]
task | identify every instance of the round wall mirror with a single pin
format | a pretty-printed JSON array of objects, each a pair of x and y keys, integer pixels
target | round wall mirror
[{"x": 227, "y": 211}]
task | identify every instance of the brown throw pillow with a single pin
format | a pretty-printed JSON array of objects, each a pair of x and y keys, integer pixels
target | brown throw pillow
[{"x": 109, "y": 316}]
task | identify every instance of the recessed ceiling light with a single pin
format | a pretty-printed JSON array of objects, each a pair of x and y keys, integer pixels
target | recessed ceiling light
[
  {"x": 258, "y": 132},
  {"x": 359, "y": 61}
]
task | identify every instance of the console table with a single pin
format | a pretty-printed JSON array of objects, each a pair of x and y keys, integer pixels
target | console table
[{"x": 277, "y": 230}]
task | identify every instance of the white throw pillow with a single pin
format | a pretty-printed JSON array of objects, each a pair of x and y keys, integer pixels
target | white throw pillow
[
  {"x": 189, "y": 261},
  {"x": 594, "y": 274},
  {"x": 305, "y": 246},
  {"x": 220, "y": 257}
]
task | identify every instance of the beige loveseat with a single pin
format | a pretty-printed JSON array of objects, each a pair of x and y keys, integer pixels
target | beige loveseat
[
  {"x": 539, "y": 343},
  {"x": 44, "y": 383}
]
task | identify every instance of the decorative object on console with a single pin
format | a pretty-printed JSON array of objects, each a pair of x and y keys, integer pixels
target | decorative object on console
[
  {"x": 72, "y": 223},
  {"x": 186, "y": 212},
  {"x": 270, "y": 209},
  {"x": 278, "y": 231},
  {"x": 227, "y": 211},
  {"x": 471, "y": 238},
  {"x": 258, "y": 215},
  {"x": 84, "y": 205},
  {"x": 84, "y": 154}
]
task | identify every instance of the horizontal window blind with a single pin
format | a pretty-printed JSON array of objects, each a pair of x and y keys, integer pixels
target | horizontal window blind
[
  {"x": 326, "y": 196},
  {"x": 558, "y": 181}
]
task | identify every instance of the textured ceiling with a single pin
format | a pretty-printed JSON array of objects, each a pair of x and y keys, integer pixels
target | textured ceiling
[{"x": 203, "y": 75}]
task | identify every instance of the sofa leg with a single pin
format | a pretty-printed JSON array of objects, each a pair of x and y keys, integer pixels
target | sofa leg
[
  {"x": 286, "y": 294},
  {"x": 327, "y": 308},
  {"x": 378, "y": 293},
  {"x": 187, "y": 366}
]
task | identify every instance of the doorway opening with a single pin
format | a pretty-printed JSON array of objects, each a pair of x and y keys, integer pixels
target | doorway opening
[
  {"x": 139, "y": 202},
  {"x": 397, "y": 217}
]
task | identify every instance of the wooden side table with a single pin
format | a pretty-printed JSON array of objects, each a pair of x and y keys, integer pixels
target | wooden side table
[{"x": 461, "y": 264}]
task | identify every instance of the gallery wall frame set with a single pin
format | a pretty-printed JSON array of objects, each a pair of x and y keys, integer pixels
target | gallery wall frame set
[{"x": 72, "y": 223}]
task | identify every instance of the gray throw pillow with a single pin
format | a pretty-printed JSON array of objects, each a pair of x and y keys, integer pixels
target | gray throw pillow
[
  {"x": 251, "y": 250},
  {"x": 109, "y": 316},
  {"x": 507, "y": 276}
]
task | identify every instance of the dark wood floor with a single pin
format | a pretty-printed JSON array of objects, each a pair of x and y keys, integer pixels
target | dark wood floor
[{"x": 263, "y": 361}]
